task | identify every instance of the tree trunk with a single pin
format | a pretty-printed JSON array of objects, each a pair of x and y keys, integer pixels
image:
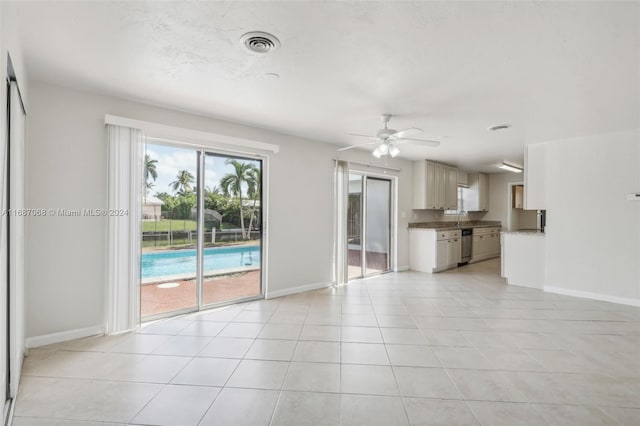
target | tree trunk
[
  {"x": 253, "y": 213},
  {"x": 241, "y": 219}
]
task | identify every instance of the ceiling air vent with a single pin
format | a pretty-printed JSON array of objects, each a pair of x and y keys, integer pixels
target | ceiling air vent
[
  {"x": 259, "y": 42},
  {"x": 498, "y": 127}
]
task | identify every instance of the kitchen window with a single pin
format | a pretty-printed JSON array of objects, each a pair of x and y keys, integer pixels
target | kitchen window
[{"x": 461, "y": 196}]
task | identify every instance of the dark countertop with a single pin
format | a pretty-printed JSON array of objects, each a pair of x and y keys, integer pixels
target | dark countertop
[
  {"x": 450, "y": 226},
  {"x": 533, "y": 232}
]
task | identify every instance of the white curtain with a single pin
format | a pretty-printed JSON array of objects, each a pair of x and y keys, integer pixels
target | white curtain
[
  {"x": 126, "y": 152},
  {"x": 340, "y": 258}
]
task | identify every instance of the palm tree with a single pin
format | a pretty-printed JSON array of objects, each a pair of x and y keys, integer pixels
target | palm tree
[
  {"x": 150, "y": 171},
  {"x": 231, "y": 183},
  {"x": 253, "y": 192},
  {"x": 183, "y": 182}
]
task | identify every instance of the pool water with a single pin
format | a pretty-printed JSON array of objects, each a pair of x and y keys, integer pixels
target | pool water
[{"x": 174, "y": 262}]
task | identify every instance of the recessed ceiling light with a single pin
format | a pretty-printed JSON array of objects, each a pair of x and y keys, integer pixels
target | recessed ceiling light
[
  {"x": 272, "y": 75},
  {"x": 499, "y": 127},
  {"x": 259, "y": 42}
]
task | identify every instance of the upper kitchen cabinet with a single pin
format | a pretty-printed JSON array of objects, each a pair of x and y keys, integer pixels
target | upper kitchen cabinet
[
  {"x": 435, "y": 186},
  {"x": 534, "y": 177},
  {"x": 478, "y": 194}
]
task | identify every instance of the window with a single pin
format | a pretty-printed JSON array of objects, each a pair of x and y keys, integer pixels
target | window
[{"x": 461, "y": 196}]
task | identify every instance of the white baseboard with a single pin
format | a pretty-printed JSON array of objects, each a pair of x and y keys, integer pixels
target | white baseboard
[
  {"x": 298, "y": 289},
  {"x": 402, "y": 268},
  {"x": 594, "y": 296},
  {"x": 63, "y": 336}
]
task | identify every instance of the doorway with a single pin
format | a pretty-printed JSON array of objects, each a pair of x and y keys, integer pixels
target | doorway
[
  {"x": 517, "y": 217},
  {"x": 201, "y": 230},
  {"x": 369, "y": 225}
]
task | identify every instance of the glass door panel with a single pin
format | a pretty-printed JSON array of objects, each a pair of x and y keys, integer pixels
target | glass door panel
[
  {"x": 378, "y": 225},
  {"x": 354, "y": 227},
  {"x": 232, "y": 232},
  {"x": 169, "y": 231}
]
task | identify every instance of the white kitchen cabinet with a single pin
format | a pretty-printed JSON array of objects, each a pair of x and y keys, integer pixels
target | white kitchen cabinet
[
  {"x": 434, "y": 251},
  {"x": 478, "y": 194},
  {"x": 442, "y": 254},
  {"x": 534, "y": 177},
  {"x": 440, "y": 184},
  {"x": 451, "y": 189},
  {"x": 428, "y": 184},
  {"x": 435, "y": 186},
  {"x": 485, "y": 244},
  {"x": 463, "y": 178},
  {"x": 453, "y": 251}
]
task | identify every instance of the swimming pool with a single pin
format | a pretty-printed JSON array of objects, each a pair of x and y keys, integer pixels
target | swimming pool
[{"x": 178, "y": 262}]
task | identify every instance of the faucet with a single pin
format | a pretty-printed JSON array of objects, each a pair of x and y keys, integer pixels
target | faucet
[{"x": 459, "y": 213}]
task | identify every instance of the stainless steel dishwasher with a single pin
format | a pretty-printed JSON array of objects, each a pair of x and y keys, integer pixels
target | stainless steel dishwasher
[{"x": 465, "y": 253}]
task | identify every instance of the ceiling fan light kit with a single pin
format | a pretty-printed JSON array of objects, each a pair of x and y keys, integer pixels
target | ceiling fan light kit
[{"x": 387, "y": 139}]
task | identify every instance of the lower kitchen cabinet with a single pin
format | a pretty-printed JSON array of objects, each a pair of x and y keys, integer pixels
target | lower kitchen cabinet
[
  {"x": 431, "y": 250},
  {"x": 486, "y": 244}
]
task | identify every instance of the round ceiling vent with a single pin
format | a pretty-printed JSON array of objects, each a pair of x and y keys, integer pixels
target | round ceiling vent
[{"x": 260, "y": 42}]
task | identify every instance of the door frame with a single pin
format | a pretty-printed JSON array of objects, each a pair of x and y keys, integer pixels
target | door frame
[
  {"x": 510, "y": 186},
  {"x": 202, "y": 151}
]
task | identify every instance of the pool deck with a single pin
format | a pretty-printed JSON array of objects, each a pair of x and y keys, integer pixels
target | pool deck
[
  {"x": 156, "y": 300},
  {"x": 192, "y": 275}
]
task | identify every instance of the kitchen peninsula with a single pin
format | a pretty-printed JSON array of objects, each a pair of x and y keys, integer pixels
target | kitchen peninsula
[{"x": 523, "y": 258}]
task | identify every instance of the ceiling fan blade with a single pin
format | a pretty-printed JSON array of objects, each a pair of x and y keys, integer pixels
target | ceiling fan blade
[
  {"x": 406, "y": 132},
  {"x": 422, "y": 141},
  {"x": 359, "y": 145},
  {"x": 363, "y": 136}
]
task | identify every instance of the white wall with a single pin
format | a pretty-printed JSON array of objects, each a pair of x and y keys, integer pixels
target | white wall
[
  {"x": 68, "y": 169},
  {"x": 523, "y": 219},
  {"x": 593, "y": 232}
]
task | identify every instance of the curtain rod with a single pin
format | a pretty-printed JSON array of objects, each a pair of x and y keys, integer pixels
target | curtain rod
[{"x": 368, "y": 165}]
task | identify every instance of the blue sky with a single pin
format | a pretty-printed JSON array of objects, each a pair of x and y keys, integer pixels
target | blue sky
[{"x": 172, "y": 159}]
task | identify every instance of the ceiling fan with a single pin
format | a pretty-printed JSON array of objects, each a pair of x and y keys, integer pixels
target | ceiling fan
[{"x": 387, "y": 139}]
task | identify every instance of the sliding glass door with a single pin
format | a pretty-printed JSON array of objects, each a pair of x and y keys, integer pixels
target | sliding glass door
[
  {"x": 354, "y": 226},
  {"x": 368, "y": 225},
  {"x": 232, "y": 224},
  {"x": 169, "y": 231},
  {"x": 201, "y": 230},
  {"x": 378, "y": 225}
]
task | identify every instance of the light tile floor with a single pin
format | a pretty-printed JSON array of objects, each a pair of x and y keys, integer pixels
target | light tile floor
[{"x": 459, "y": 347}]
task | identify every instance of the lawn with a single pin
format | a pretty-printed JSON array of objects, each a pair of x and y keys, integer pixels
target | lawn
[{"x": 169, "y": 224}]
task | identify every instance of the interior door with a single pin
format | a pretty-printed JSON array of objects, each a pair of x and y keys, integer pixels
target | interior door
[
  {"x": 16, "y": 237},
  {"x": 4, "y": 288},
  {"x": 12, "y": 247}
]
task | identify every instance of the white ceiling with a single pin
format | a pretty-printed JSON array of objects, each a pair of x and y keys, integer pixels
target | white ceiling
[{"x": 550, "y": 69}]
